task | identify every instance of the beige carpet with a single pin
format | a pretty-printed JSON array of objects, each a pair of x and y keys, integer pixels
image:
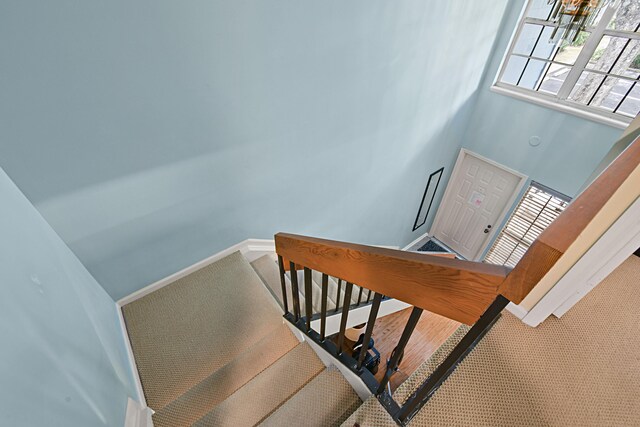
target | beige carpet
[
  {"x": 184, "y": 332},
  {"x": 580, "y": 370},
  {"x": 325, "y": 402}
]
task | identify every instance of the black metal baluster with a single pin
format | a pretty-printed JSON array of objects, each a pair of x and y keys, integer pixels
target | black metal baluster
[
  {"x": 460, "y": 351},
  {"x": 373, "y": 314},
  {"x": 338, "y": 295},
  {"x": 399, "y": 350},
  {"x": 283, "y": 284},
  {"x": 345, "y": 313},
  {"x": 307, "y": 297},
  {"x": 369, "y": 296},
  {"x": 359, "y": 296},
  {"x": 295, "y": 291},
  {"x": 323, "y": 308}
]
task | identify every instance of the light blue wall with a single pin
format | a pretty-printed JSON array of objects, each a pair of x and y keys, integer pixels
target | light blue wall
[
  {"x": 62, "y": 361},
  {"x": 500, "y": 128},
  {"x": 151, "y": 134}
]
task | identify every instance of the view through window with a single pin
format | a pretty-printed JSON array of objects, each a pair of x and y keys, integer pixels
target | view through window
[{"x": 597, "y": 72}]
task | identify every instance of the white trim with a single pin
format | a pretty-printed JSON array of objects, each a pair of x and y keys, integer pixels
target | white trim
[
  {"x": 138, "y": 415},
  {"x": 359, "y": 315},
  {"x": 254, "y": 247},
  {"x": 613, "y": 247},
  {"x": 507, "y": 208},
  {"x": 329, "y": 360},
  {"x": 132, "y": 361},
  {"x": 415, "y": 242},
  {"x": 558, "y": 106},
  {"x": 516, "y": 310}
]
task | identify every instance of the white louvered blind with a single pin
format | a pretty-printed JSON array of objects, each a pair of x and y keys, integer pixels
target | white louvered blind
[{"x": 537, "y": 209}]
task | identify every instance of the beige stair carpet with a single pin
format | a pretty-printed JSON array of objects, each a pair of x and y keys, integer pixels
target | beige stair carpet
[
  {"x": 182, "y": 333},
  {"x": 580, "y": 370},
  {"x": 325, "y": 402},
  {"x": 204, "y": 396},
  {"x": 268, "y": 270},
  {"x": 261, "y": 396}
]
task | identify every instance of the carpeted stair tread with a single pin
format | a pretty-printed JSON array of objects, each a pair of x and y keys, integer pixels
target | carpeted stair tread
[
  {"x": 261, "y": 396},
  {"x": 185, "y": 331},
  {"x": 204, "y": 396},
  {"x": 325, "y": 402},
  {"x": 268, "y": 271}
]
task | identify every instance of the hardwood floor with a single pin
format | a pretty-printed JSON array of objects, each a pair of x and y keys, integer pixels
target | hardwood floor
[{"x": 432, "y": 330}]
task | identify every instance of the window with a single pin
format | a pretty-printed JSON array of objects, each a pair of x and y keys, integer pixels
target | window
[
  {"x": 537, "y": 209},
  {"x": 596, "y": 74}
]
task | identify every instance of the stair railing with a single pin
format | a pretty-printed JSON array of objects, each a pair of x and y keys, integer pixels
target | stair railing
[
  {"x": 469, "y": 292},
  {"x": 460, "y": 290}
]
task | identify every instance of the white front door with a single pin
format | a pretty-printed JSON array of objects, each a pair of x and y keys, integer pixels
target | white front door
[{"x": 478, "y": 196}]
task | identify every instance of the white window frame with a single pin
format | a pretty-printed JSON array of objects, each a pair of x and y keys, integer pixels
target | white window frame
[{"x": 560, "y": 101}]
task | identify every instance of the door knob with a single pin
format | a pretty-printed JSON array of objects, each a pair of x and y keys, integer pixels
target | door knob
[{"x": 486, "y": 230}]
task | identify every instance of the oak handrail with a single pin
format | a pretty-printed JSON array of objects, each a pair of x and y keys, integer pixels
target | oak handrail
[{"x": 460, "y": 290}]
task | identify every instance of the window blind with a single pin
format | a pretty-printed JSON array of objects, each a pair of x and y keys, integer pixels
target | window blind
[{"x": 537, "y": 209}]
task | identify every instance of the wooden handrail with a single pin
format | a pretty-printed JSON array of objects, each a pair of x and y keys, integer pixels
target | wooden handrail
[
  {"x": 459, "y": 290},
  {"x": 556, "y": 240}
]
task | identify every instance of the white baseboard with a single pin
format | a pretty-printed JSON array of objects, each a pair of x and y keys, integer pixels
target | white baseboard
[
  {"x": 329, "y": 360},
  {"x": 138, "y": 415},
  {"x": 360, "y": 315},
  {"x": 517, "y": 311},
  {"x": 424, "y": 236},
  {"x": 251, "y": 248},
  {"x": 132, "y": 361}
]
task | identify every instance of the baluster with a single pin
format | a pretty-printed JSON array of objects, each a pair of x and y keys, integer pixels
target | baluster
[
  {"x": 323, "y": 308},
  {"x": 345, "y": 313},
  {"x": 294, "y": 290},
  {"x": 307, "y": 297},
  {"x": 373, "y": 314},
  {"x": 369, "y": 296},
  {"x": 283, "y": 284},
  {"x": 399, "y": 350},
  {"x": 359, "y": 296},
  {"x": 338, "y": 296}
]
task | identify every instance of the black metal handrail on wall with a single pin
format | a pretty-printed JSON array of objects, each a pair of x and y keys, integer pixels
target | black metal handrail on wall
[{"x": 401, "y": 412}]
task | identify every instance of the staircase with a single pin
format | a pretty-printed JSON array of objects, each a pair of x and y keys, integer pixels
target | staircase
[{"x": 212, "y": 350}]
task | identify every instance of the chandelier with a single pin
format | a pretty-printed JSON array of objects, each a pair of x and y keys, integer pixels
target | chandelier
[{"x": 573, "y": 16}]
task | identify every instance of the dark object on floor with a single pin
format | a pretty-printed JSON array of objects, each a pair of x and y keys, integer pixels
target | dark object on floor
[
  {"x": 371, "y": 361},
  {"x": 431, "y": 246},
  {"x": 637, "y": 253}
]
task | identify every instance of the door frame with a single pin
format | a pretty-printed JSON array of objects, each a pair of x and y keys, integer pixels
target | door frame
[{"x": 448, "y": 197}]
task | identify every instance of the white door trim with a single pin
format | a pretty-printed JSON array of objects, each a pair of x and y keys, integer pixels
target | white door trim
[
  {"x": 448, "y": 196},
  {"x": 613, "y": 247}
]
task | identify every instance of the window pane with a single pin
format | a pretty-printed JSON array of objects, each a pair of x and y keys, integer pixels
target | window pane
[
  {"x": 606, "y": 53},
  {"x": 629, "y": 62},
  {"x": 569, "y": 51},
  {"x": 513, "y": 69},
  {"x": 610, "y": 93},
  {"x": 540, "y": 9},
  {"x": 527, "y": 39},
  {"x": 624, "y": 21},
  {"x": 545, "y": 47},
  {"x": 586, "y": 86},
  {"x": 532, "y": 74},
  {"x": 631, "y": 104},
  {"x": 554, "y": 78}
]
